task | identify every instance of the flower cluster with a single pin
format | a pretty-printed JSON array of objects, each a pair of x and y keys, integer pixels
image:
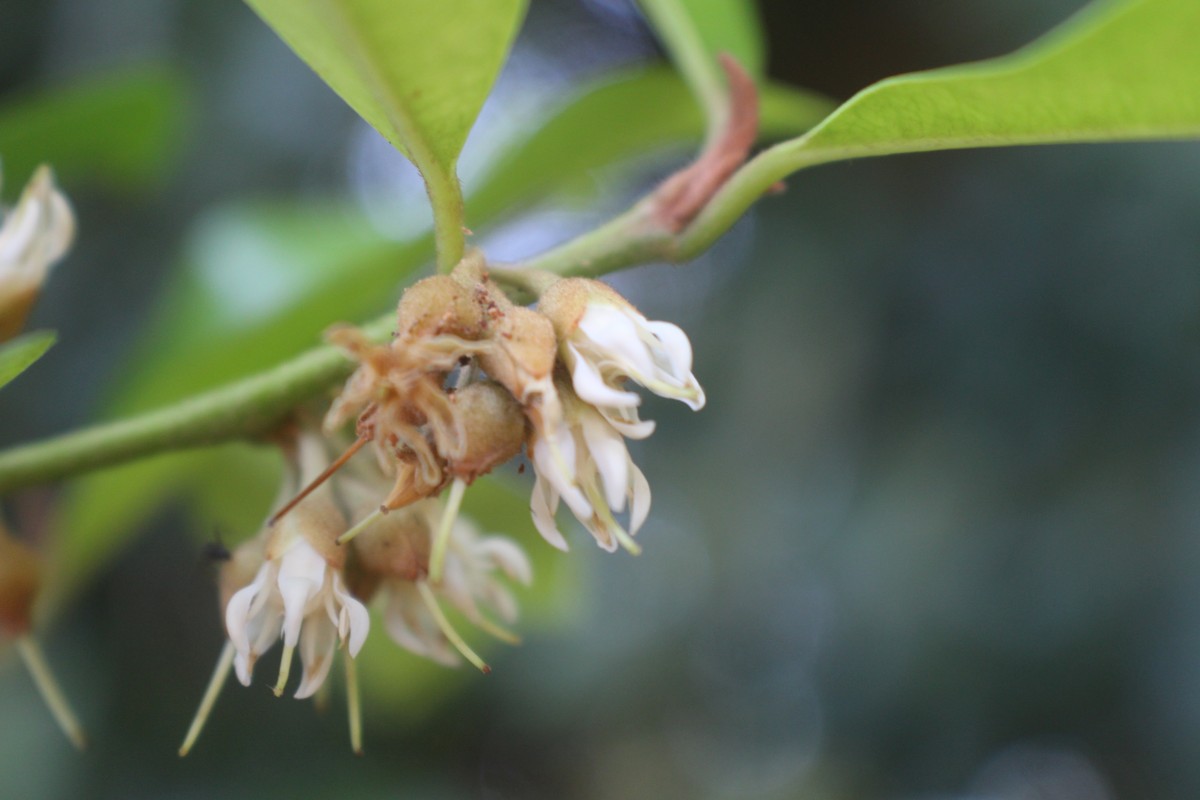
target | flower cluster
[
  {"x": 552, "y": 381},
  {"x": 469, "y": 381},
  {"x": 294, "y": 582}
]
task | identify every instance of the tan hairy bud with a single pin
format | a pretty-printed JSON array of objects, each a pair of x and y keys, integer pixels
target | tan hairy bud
[
  {"x": 525, "y": 350},
  {"x": 493, "y": 427},
  {"x": 565, "y": 302}
]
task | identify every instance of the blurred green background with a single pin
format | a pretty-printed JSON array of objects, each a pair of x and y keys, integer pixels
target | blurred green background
[{"x": 934, "y": 535}]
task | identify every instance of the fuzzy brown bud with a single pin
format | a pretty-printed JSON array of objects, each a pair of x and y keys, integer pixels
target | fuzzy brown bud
[
  {"x": 397, "y": 547},
  {"x": 525, "y": 351},
  {"x": 493, "y": 428}
]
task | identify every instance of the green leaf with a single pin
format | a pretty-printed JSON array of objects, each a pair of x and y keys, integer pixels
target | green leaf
[
  {"x": 17, "y": 355},
  {"x": 695, "y": 32},
  {"x": 417, "y": 71},
  {"x": 1118, "y": 70},
  {"x": 120, "y": 128}
]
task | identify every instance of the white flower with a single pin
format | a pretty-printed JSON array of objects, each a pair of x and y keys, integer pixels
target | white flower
[
  {"x": 33, "y": 236},
  {"x": 604, "y": 340},
  {"x": 584, "y": 462},
  {"x": 471, "y": 583},
  {"x": 298, "y": 592}
]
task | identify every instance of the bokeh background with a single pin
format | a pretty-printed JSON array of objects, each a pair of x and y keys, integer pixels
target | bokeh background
[{"x": 934, "y": 536}]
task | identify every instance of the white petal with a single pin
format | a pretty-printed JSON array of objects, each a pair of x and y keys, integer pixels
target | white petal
[
  {"x": 408, "y": 623},
  {"x": 502, "y": 601},
  {"x": 611, "y": 458},
  {"x": 640, "y": 507},
  {"x": 38, "y": 232},
  {"x": 301, "y": 577},
  {"x": 509, "y": 557},
  {"x": 678, "y": 348},
  {"x": 591, "y": 386},
  {"x": 317, "y": 644},
  {"x": 237, "y": 611},
  {"x": 354, "y": 618},
  {"x": 457, "y": 588},
  {"x": 543, "y": 504},
  {"x": 633, "y": 428},
  {"x": 601, "y": 533},
  {"x": 243, "y": 667},
  {"x": 615, "y": 333}
]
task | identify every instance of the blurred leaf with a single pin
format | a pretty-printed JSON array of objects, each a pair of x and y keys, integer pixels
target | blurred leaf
[
  {"x": 19, "y": 354},
  {"x": 1118, "y": 70},
  {"x": 718, "y": 26},
  {"x": 121, "y": 128},
  {"x": 696, "y": 32},
  {"x": 638, "y": 113},
  {"x": 417, "y": 71}
]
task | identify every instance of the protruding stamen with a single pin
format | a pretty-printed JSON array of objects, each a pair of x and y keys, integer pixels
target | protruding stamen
[
  {"x": 285, "y": 669},
  {"x": 448, "y": 630},
  {"x": 353, "y": 703},
  {"x": 317, "y": 481},
  {"x": 361, "y": 526},
  {"x": 499, "y": 631},
  {"x": 441, "y": 539},
  {"x": 43, "y": 678},
  {"x": 215, "y": 684}
]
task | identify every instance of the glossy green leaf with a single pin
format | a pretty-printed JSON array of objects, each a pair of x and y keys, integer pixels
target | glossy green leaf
[
  {"x": 417, "y": 71},
  {"x": 120, "y": 128},
  {"x": 1118, "y": 70},
  {"x": 19, "y": 354}
]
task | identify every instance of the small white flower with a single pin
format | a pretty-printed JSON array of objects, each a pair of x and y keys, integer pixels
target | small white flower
[
  {"x": 583, "y": 461},
  {"x": 298, "y": 592},
  {"x": 604, "y": 341},
  {"x": 471, "y": 583},
  {"x": 33, "y": 236}
]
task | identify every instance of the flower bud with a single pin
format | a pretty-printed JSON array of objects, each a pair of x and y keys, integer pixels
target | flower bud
[
  {"x": 493, "y": 428},
  {"x": 34, "y": 235},
  {"x": 19, "y": 581},
  {"x": 525, "y": 350},
  {"x": 397, "y": 547}
]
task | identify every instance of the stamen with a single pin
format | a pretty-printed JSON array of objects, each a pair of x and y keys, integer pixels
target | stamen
[
  {"x": 353, "y": 703},
  {"x": 499, "y": 631},
  {"x": 317, "y": 481},
  {"x": 31, "y": 654},
  {"x": 285, "y": 669},
  {"x": 448, "y": 630},
  {"x": 441, "y": 539},
  {"x": 361, "y": 526},
  {"x": 215, "y": 684}
]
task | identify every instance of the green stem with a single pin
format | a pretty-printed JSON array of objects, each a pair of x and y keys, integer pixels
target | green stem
[
  {"x": 240, "y": 410},
  {"x": 445, "y": 195},
  {"x": 253, "y": 406}
]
